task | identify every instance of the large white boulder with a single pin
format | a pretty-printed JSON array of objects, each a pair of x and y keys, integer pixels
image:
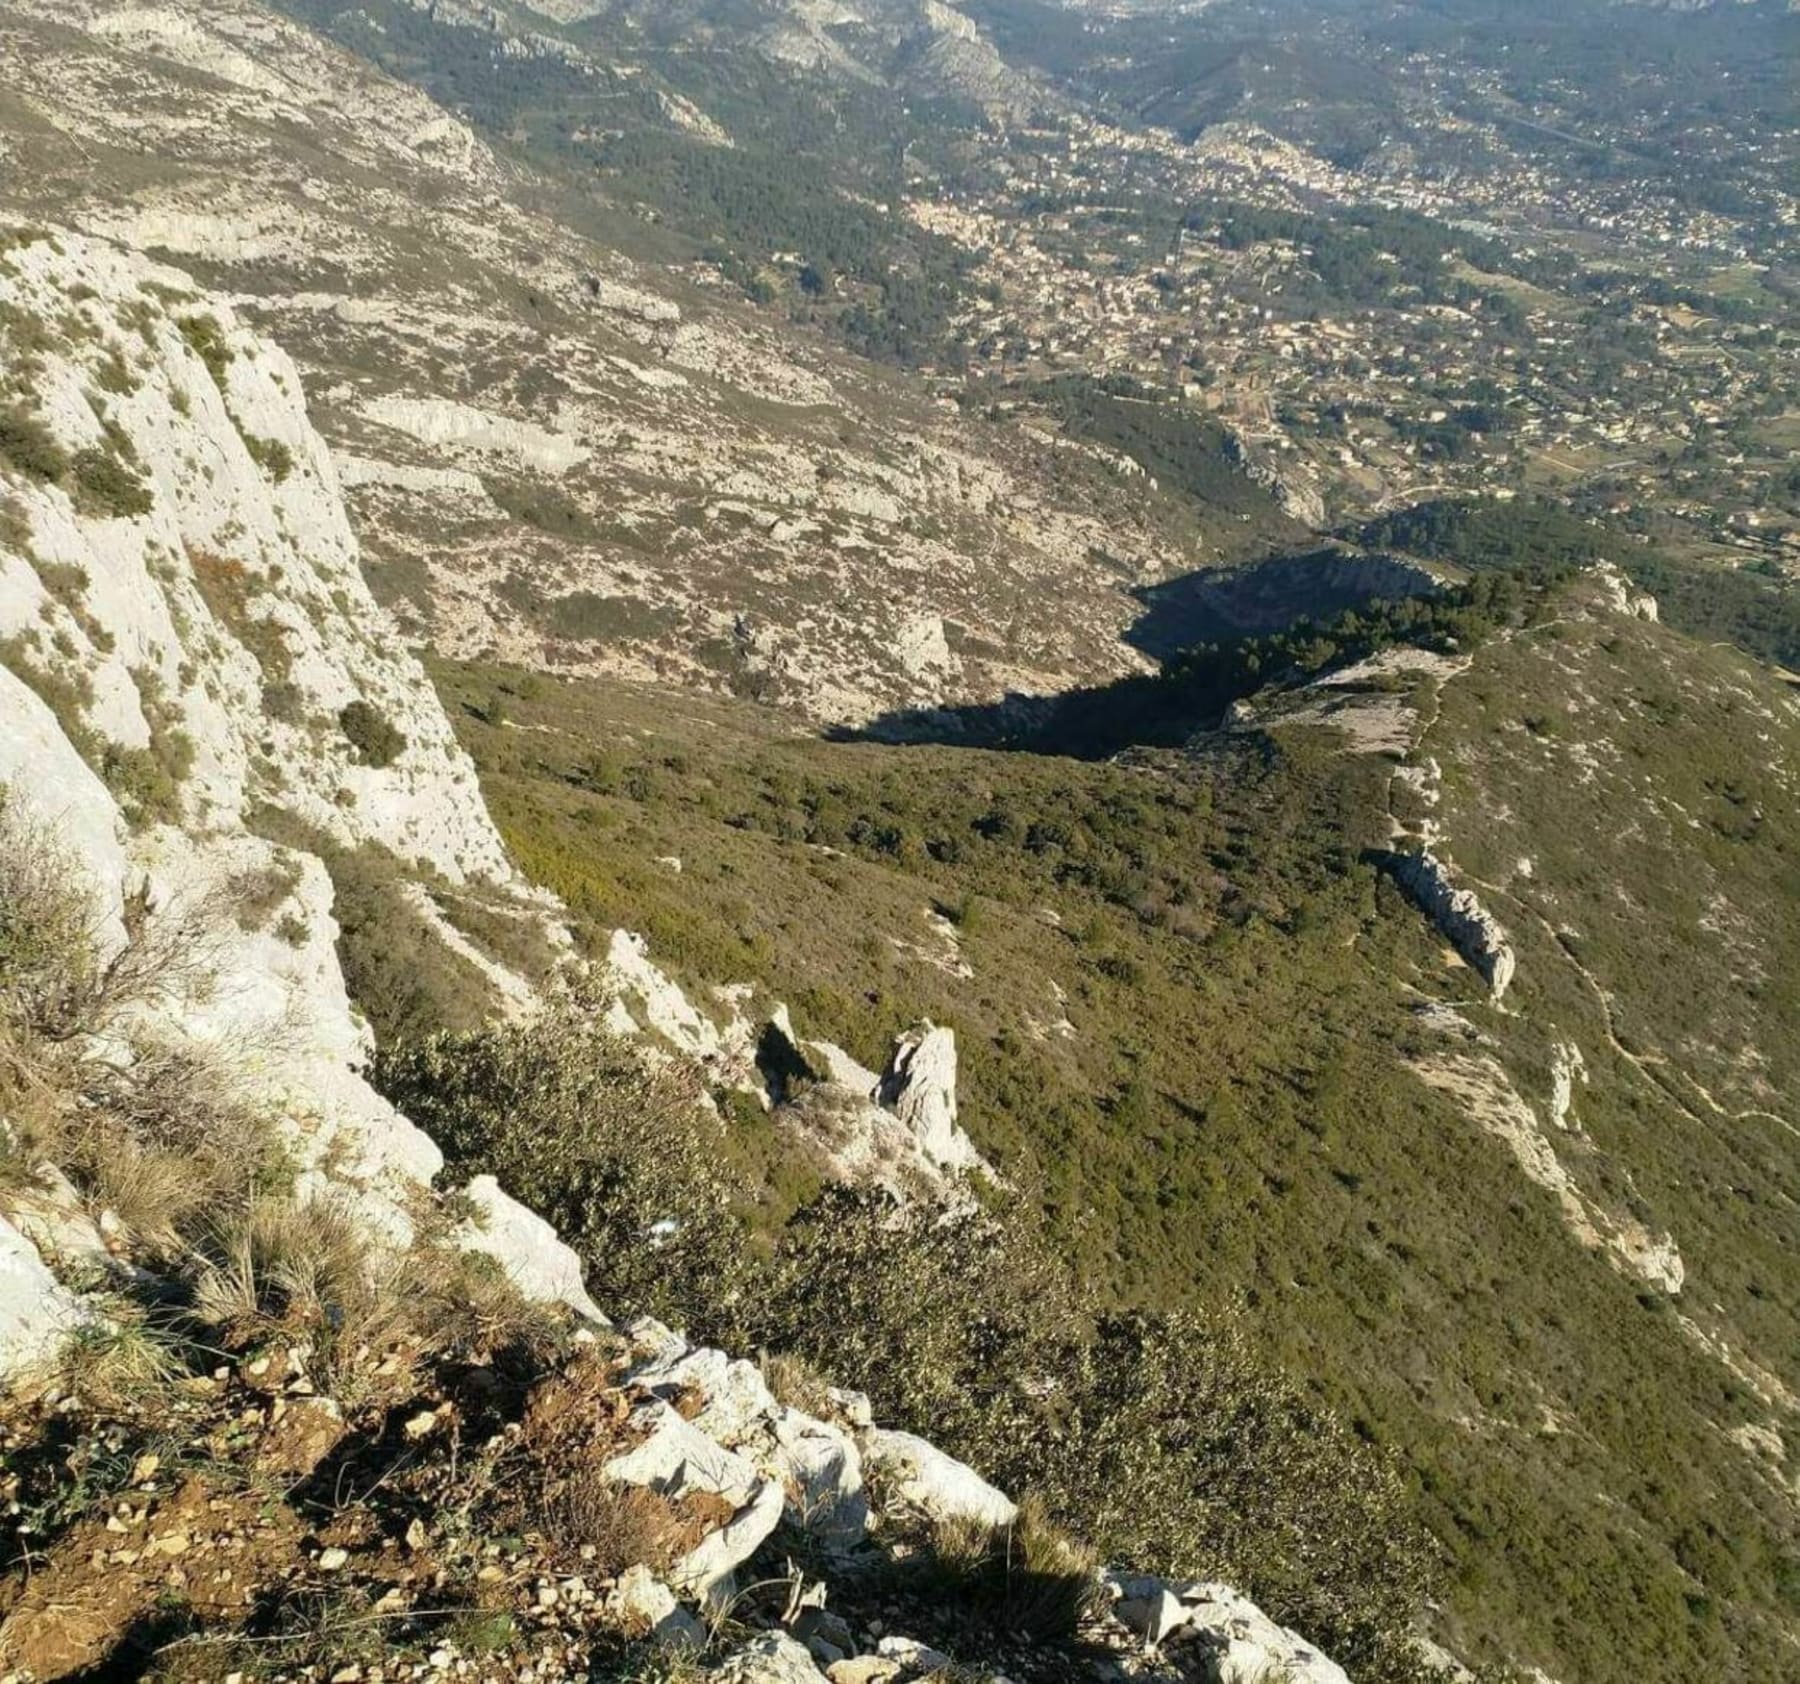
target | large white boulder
[
  {"x": 771, "y": 1657},
  {"x": 1240, "y": 1644},
  {"x": 531, "y": 1252},
  {"x": 676, "y": 1458},
  {"x": 924, "y": 1478}
]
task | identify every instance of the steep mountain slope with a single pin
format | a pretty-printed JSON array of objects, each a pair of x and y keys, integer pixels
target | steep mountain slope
[
  {"x": 276, "y": 1392},
  {"x": 186, "y": 643},
  {"x": 551, "y": 452},
  {"x": 1200, "y": 1019}
]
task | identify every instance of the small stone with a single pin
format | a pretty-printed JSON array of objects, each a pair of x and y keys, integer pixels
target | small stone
[{"x": 332, "y": 1559}]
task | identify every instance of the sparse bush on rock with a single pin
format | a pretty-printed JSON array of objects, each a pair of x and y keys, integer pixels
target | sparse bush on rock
[
  {"x": 377, "y": 740},
  {"x": 28, "y": 447}
]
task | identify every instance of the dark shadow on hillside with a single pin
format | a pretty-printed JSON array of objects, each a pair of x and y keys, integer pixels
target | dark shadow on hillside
[
  {"x": 1097, "y": 722},
  {"x": 1215, "y": 605},
  {"x": 1221, "y": 635}
]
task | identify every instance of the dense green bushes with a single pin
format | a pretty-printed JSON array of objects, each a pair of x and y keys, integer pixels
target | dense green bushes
[
  {"x": 601, "y": 1140},
  {"x": 1161, "y": 1439},
  {"x": 1522, "y": 534},
  {"x": 1228, "y": 1120}
]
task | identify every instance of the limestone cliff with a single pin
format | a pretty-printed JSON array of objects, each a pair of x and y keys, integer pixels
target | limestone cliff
[{"x": 186, "y": 643}]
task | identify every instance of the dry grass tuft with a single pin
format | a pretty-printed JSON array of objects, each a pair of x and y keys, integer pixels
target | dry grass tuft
[
  {"x": 794, "y": 1381},
  {"x": 1029, "y": 1577},
  {"x": 603, "y": 1526},
  {"x": 307, "y": 1273},
  {"x": 120, "y": 1363}
]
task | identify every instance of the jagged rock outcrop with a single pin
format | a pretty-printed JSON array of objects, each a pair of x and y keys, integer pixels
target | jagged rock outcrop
[
  {"x": 919, "y": 1087},
  {"x": 1233, "y": 1639},
  {"x": 1469, "y": 927},
  {"x": 1618, "y": 595},
  {"x": 898, "y": 1129}
]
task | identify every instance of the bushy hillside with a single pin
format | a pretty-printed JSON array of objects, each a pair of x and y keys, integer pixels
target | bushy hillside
[{"x": 1229, "y": 1060}]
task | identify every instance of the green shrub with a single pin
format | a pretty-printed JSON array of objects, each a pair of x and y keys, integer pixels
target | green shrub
[
  {"x": 377, "y": 741},
  {"x": 271, "y": 455},
  {"x": 609, "y": 1146},
  {"x": 104, "y": 485},
  {"x": 206, "y": 339},
  {"x": 227, "y": 588},
  {"x": 28, "y": 447},
  {"x": 148, "y": 781},
  {"x": 49, "y": 927},
  {"x": 398, "y": 971},
  {"x": 15, "y": 526},
  {"x": 953, "y": 1327},
  {"x": 1162, "y": 1440},
  {"x": 115, "y": 376}
]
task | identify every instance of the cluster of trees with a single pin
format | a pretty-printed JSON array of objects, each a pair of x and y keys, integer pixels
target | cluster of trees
[
  {"x": 1364, "y": 255},
  {"x": 1187, "y": 453},
  {"x": 1748, "y": 606},
  {"x": 1523, "y": 535}
]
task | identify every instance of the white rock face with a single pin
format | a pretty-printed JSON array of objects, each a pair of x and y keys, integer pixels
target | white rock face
[
  {"x": 36, "y": 1314},
  {"x": 936, "y": 1485},
  {"x": 919, "y": 1087},
  {"x": 439, "y": 421},
  {"x": 242, "y": 573},
  {"x": 228, "y": 622},
  {"x": 1240, "y": 1644},
  {"x": 1567, "y": 1067},
  {"x": 1468, "y": 925}
]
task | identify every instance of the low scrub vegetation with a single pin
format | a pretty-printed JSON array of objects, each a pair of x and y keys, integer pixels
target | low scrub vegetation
[
  {"x": 1185, "y": 1042},
  {"x": 603, "y": 1140},
  {"x": 376, "y": 739}
]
